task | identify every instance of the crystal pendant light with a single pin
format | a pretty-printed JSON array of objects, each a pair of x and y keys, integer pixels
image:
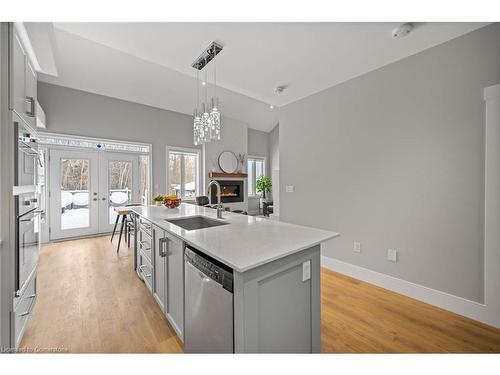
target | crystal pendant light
[
  {"x": 197, "y": 127},
  {"x": 215, "y": 114},
  {"x": 205, "y": 125},
  {"x": 207, "y": 122}
]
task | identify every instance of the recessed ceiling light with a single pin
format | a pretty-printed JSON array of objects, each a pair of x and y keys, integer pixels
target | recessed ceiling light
[
  {"x": 279, "y": 89},
  {"x": 271, "y": 106},
  {"x": 402, "y": 30},
  {"x": 203, "y": 83}
]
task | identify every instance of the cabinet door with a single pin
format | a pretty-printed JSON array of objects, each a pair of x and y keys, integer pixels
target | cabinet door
[
  {"x": 17, "y": 71},
  {"x": 159, "y": 265},
  {"x": 175, "y": 284},
  {"x": 30, "y": 93}
]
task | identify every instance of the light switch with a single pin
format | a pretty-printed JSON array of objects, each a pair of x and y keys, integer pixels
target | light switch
[
  {"x": 289, "y": 188},
  {"x": 306, "y": 270}
]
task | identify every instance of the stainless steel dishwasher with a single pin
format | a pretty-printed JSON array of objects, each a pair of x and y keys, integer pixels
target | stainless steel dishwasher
[{"x": 208, "y": 324}]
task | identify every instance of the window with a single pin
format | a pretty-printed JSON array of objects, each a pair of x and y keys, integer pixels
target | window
[
  {"x": 256, "y": 168},
  {"x": 183, "y": 172}
]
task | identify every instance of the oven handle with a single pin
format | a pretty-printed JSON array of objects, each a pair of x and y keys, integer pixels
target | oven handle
[{"x": 33, "y": 214}]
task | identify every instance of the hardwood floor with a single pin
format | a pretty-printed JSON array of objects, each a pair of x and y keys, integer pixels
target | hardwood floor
[
  {"x": 358, "y": 317},
  {"x": 91, "y": 301}
]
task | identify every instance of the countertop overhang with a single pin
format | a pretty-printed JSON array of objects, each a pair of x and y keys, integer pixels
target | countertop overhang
[{"x": 245, "y": 243}]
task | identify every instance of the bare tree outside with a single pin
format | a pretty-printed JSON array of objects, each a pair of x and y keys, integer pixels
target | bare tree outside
[{"x": 74, "y": 174}]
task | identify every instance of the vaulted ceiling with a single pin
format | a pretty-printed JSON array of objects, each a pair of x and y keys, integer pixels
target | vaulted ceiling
[{"x": 150, "y": 63}]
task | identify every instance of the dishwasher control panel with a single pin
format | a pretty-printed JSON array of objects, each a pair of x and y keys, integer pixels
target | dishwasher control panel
[{"x": 210, "y": 267}]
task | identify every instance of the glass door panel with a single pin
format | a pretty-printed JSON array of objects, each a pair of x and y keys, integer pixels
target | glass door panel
[
  {"x": 119, "y": 186},
  {"x": 74, "y": 193}
]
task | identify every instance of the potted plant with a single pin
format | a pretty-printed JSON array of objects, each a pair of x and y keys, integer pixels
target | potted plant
[
  {"x": 158, "y": 199},
  {"x": 263, "y": 185}
]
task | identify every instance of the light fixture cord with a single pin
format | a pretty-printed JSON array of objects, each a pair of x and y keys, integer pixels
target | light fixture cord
[
  {"x": 215, "y": 83},
  {"x": 197, "y": 89},
  {"x": 206, "y": 87}
]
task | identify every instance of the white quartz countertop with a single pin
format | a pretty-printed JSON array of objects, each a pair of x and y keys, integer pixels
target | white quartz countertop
[{"x": 246, "y": 242}]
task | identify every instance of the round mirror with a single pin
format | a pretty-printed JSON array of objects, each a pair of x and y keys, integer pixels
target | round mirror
[{"x": 228, "y": 162}]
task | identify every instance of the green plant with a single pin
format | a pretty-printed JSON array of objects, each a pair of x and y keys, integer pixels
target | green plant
[
  {"x": 263, "y": 185},
  {"x": 158, "y": 198}
]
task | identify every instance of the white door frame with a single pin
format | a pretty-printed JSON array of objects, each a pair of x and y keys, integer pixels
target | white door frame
[
  {"x": 56, "y": 233},
  {"x": 104, "y": 158}
]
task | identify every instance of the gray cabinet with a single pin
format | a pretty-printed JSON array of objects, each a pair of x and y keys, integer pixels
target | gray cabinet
[
  {"x": 23, "y": 82},
  {"x": 145, "y": 270},
  {"x": 168, "y": 284},
  {"x": 23, "y": 307},
  {"x": 175, "y": 284},
  {"x": 277, "y": 306},
  {"x": 160, "y": 268},
  {"x": 17, "y": 72},
  {"x": 30, "y": 94}
]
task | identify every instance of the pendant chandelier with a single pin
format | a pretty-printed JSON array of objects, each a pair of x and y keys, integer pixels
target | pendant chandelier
[{"x": 206, "y": 118}]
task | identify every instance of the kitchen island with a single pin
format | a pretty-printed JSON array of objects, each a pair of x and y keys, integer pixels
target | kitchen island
[{"x": 270, "y": 272}]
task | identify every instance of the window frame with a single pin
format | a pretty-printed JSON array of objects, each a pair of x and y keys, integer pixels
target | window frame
[
  {"x": 254, "y": 193},
  {"x": 184, "y": 151}
]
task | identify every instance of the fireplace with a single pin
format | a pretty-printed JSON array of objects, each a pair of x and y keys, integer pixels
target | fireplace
[{"x": 230, "y": 191}]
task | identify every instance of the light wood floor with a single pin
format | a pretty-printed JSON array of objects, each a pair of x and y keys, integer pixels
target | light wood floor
[{"x": 91, "y": 301}]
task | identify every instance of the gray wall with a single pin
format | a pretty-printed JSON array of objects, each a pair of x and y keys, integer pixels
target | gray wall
[
  {"x": 395, "y": 159},
  {"x": 274, "y": 166},
  {"x": 258, "y": 145},
  {"x": 274, "y": 148},
  {"x": 234, "y": 137},
  {"x": 81, "y": 113}
]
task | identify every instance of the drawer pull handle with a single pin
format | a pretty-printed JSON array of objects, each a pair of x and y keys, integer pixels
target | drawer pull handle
[
  {"x": 32, "y": 296},
  {"x": 25, "y": 313},
  {"x": 144, "y": 272},
  {"x": 143, "y": 245}
]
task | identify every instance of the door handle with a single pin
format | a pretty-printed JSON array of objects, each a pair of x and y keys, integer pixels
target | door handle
[
  {"x": 94, "y": 199},
  {"x": 103, "y": 199}
]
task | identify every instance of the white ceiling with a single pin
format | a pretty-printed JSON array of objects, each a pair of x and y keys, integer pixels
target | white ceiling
[{"x": 305, "y": 57}]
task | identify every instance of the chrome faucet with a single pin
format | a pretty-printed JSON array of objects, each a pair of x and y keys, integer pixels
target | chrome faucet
[{"x": 220, "y": 208}]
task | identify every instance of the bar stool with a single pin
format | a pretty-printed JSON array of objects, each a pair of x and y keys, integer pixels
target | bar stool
[{"x": 123, "y": 212}]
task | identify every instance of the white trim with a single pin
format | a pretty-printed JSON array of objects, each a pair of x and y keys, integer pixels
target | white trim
[
  {"x": 28, "y": 47},
  {"x": 185, "y": 150},
  {"x": 97, "y": 140},
  {"x": 45, "y": 236},
  {"x": 458, "y": 305}
]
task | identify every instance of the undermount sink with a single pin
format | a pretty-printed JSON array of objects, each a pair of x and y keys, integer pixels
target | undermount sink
[{"x": 196, "y": 222}]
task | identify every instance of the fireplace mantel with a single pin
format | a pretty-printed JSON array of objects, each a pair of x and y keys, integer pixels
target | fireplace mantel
[{"x": 227, "y": 175}]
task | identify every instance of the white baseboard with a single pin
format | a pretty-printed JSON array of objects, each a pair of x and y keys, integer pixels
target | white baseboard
[{"x": 458, "y": 305}]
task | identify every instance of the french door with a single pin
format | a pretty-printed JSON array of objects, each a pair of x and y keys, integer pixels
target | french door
[
  {"x": 118, "y": 184},
  {"x": 86, "y": 186}
]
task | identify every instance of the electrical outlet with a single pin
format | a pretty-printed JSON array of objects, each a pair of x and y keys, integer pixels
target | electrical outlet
[
  {"x": 392, "y": 255},
  {"x": 356, "y": 247},
  {"x": 306, "y": 270},
  {"x": 289, "y": 188}
]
